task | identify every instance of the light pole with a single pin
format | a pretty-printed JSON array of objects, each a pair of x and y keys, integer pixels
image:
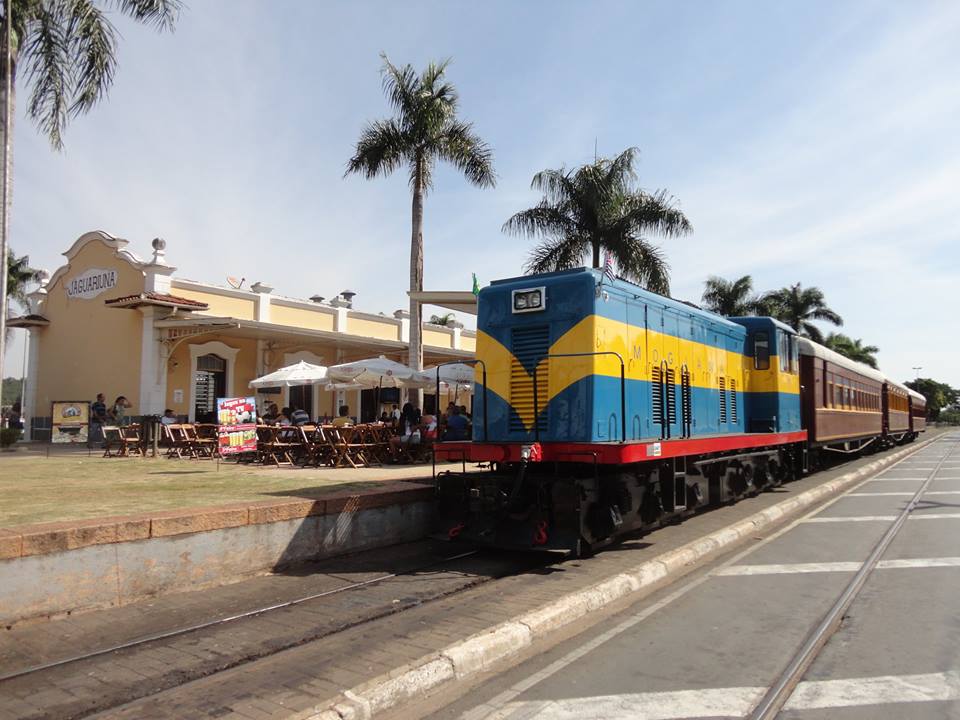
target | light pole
[{"x": 917, "y": 369}]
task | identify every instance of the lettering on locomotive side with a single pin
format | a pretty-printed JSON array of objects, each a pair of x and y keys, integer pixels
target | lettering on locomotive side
[{"x": 637, "y": 352}]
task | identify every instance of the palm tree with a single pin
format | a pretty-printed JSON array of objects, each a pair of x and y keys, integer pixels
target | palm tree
[
  {"x": 852, "y": 348},
  {"x": 19, "y": 275},
  {"x": 68, "y": 51},
  {"x": 730, "y": 298},
  {"x": 424, "y": 130},
  {"x": 797, "y": 306},
  {"x": 598, "y": 207},
  {"x": 443, "y": 320}
]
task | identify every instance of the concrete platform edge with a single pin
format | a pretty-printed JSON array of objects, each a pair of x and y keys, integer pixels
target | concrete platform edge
[{"x": 481, "y": 651}]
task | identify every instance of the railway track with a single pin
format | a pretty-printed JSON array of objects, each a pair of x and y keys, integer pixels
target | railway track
[
  {"x": 141, "y": 665},
  {"x": 783, "y": 687}
]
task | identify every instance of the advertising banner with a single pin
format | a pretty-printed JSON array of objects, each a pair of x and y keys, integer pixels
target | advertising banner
[
  {"x": 237, "y": 418},
  {"x": 70, "y": 421}
]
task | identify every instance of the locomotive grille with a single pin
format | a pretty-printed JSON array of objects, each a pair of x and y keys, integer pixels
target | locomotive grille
[
  {"x": 529, "y": 345},
  {"x": 733, "y": 400},
  {"x": 671, "y": 396},
  {"x": 656, "y": 396},
  {"x": 723, "y": 400}
]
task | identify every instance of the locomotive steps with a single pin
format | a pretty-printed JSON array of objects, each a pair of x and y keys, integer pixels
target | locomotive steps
[{"x": 470, "y": 658}]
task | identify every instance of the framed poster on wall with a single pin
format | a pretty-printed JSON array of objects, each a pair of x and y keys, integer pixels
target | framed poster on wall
[{"x": 70, "y": 421}]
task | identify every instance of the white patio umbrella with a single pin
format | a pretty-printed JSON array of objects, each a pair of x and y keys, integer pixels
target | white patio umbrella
[
  {"x": 455, "y": 374},
  {"x": 374, "y": 372},
  {"x": 301, "y": 373}
]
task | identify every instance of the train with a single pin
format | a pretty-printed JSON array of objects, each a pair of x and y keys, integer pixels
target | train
[{"x": 601, "y": 408}]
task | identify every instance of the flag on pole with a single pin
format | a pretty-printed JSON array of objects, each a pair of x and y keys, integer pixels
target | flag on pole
[
  {"x": 608, "y": 266},
  {"x": 476, "y": 285}
]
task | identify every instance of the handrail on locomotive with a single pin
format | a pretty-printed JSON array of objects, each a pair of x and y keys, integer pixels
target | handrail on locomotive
[{"x": 623, "y": 390}]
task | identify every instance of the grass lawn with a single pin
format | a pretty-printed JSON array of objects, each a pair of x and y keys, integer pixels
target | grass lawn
[{"x": 70, "y": 485}]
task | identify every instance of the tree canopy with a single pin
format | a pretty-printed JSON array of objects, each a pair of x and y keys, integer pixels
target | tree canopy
[
  {"x": 797, "y": 306},
  {"x": 730, "y": 298},
  {"x": 939, "y": 395},
  {"x": 852, "y": 348},
  {"x": 424, "y": 129},
  {"x": 598, "y": 207}
]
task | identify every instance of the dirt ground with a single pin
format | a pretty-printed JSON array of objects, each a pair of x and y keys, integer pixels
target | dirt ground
[{"x": 70, "y": 484}]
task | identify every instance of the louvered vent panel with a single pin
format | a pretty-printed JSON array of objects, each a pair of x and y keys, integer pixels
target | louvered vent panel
[
  {"x": 656, "y": 395},
  {"x": 723, "y": 400},
  {"x": 671, "y": 396},
  {"x": 529, "y": 344},
  {"x": 733, "y": 400}
]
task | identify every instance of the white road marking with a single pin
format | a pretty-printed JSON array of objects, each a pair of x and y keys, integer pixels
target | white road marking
[
  {"x": 739, "y": 701},
  {"x": 841, "y": 566},
  {"x": 852, "y": 518},
  {"x": 902, "y": 494},
  {"x": 882, "y": 690},
  {"x": 886, "y": 518},
  {"x": 893, "y": 479}
]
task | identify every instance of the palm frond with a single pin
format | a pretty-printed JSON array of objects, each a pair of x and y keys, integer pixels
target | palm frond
[
  {"x": 46, "y": 56},
  {"x": 162, "y": 14},
  {"x": 560, "y": 253},
  {"x": 543, "y": 219},
  {"x": 92, "y": 46},
  {"x": 464, "y": 149},
  {"x": 825, "y": 313},
  {"x": 382, "y": 148},
  {"x": 401, "y": 86},
  {"x": 811, "y": 331},
  {"x": 642, "y": 262}
]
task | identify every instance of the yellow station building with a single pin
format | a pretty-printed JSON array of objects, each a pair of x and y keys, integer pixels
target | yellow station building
[{"x": 108, "y": 321}]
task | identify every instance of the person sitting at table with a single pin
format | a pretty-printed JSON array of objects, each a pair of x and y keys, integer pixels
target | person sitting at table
[
  {"x": 456, "y": 425},
  {"x": 409, "y": 431},
  {"x": 271, "y": 414},
  {"x": 384, "y": 418},
  {"x": 284, "y": 418},
  {"x": 300, "y": 417},
  {"x": 168, "y": 417},
  {"x": 343, "y": 417}
]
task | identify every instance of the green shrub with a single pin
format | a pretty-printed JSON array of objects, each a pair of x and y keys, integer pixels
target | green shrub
[{"x": 8, "y": 436}]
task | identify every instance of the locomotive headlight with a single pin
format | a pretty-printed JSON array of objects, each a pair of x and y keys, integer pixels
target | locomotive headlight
[{"x": 529, "y": 300}]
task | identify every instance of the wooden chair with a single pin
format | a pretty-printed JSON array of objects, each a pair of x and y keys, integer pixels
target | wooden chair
[
  {"x": 200, "y": 447},
  {"x": 270, "y": 448},
  {"x": 130, "y": 440},
  {"x": 112, "y": 440},
  {"x": 176, "y": 442},
  {"x": 348, "y": 442}
]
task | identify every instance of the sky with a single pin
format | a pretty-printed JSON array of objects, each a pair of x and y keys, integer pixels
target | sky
[{"x": 812, "y": 142}]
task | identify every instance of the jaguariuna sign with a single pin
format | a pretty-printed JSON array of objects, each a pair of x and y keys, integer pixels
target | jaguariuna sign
[{"x": 91, "y": 283}]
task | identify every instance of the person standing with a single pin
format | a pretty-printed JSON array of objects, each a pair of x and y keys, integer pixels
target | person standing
[
  {"x": 119, "y": 411},
  {"x": 98, "y": 418}
]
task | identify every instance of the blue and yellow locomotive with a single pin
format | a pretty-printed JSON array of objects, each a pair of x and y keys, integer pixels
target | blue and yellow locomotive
[{"x": 602, "y": 408}]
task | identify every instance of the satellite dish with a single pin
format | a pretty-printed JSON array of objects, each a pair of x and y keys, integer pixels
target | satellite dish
[{"x": 234, "y": 283}]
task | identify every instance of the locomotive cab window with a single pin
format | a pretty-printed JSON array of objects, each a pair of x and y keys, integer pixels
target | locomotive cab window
[
  {"x": 784, "y": 352},
  {"x": 761, "y": 351}
]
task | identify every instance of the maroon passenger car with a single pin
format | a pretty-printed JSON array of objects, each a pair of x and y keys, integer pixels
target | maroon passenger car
[{"x": 842, "y": 406}]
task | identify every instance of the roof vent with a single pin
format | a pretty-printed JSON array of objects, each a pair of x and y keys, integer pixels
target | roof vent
[{"x": 316, "y": 298}]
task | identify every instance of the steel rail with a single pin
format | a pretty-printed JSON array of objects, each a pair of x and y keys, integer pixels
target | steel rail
[
  {"x": 222, "y": 621},
  {"x": 778, "y": 694}
]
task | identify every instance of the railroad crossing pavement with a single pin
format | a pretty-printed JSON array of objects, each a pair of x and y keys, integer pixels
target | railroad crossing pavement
[
  {"x": 712, "y": 645},
  {"x": 241, "y": 670}
]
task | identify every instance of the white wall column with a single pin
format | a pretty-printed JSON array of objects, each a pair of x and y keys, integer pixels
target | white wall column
[
  {"x": 153, "y": 371},
  {"x": 32, "y": 373}
]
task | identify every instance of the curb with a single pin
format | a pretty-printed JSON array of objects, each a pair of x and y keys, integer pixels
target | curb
[{"x": 480, "y": 652}]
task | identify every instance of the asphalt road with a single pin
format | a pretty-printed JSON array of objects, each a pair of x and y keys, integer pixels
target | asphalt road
[{"x": 712, "y": 645}]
